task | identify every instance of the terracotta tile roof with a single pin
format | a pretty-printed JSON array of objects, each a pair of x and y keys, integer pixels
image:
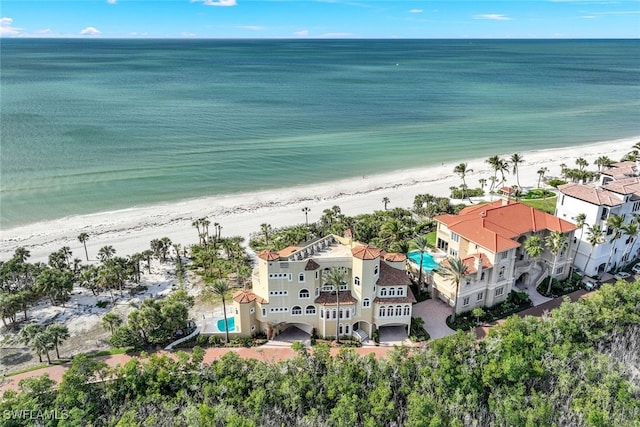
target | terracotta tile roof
[
  {"x": 269, "y": 255},
  {"x": 495, "y": 225},
  {"x": 246, "y": 296},
  {"x": 288, "y": 251},
  {"x": 327, "y": 298},
  {"x": 470, "y": 262},
  {"x": 621, "y": 170},
  {"x": 311, "y": 265},
  {"x": 390, "y": 276},
  {"x": 365, "y": 252},
  {"x": 395, "y": 257},
  {"x": 624, "y": 186},
  {"x": 595, "y": 195}
]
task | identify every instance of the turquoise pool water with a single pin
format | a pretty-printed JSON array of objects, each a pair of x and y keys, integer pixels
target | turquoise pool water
[
  {"x": 231, "y": 323},
  {"x": 428, "y": 263}
]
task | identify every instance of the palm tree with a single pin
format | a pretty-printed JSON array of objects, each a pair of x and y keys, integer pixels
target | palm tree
[
  {"x": 386, "y": 201},
  {"x": 596, "y": 237},
  {"x": 463, "y": 169},
  {"x": 534, "y": 247},
  {"x": 503, "y": 167},
  {"x": 494, "y": 162},
  {"x": 541, "y": 173},
  {"x": 335, "y": 278},
  {"x": 516, "y": 159},
  {"x": 393, "y": 231},
  {"x": 221, "y": 287},
  {"x": 632, "y": 231},
  {"x": 106, "y": 252},
  {"x": 603, "y": 162},
  {"x": 266, "y": 230},
  {"x": 556, "y": 242},
  {"x": 58, "y": 333},
  {"x": 306, "y": 211},
  {"x": 456, "y": 269},
  {"x": 580, "y": 219},
  {"x": 21, "y": 254},
  {"x": 482, "y": 182},
  {"x": 83, "y": 237},
  {"x": 615, "y": 223},
  {"x": 420, "y": 243},
  {"x": 111, "y": 321},
  {"x": 582, "y": 163}
]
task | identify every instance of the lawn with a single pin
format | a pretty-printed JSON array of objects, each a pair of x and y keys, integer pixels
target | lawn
[{"x": 548, "y": 205}]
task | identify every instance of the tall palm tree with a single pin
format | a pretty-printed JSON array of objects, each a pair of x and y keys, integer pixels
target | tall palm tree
[
  {"x": 493, "y": 162},
  {"x": 463, "y": 169},
  {"x": 420, "y": 243},
  {"x": 221, "y": 287},
  {"x": 582, "y": 163},
  {"x": 455, "y": 269},
  {"x": 266, "y": 230},
  {"x": 111, "y": 321},
  {"x": 596, "y": 237},
  {"x": 503, "y": 167},
  {"x": 335, "y": 278},
  {"x": 603, "y": 162},
  {"x": 630, "y": 230},
  {"x": 106, "y": 252},
  {"x": 615, "y": 222},
  {"x": 386, "y": 201},
  {"x": 82, "y": 238},
  {"x": 534, "y": 247},
  {"x": 516, "y": 160},
  {"x": 58, "y": 333},
  {"x": 482, "y": 182},
  {"x": 393, "y": 231},
  {"x": 581, "y": 221},
  {"x": 556, "y": 242},
  {"x": 541, "y": 172},
  {"x": 306, "y": 211}
]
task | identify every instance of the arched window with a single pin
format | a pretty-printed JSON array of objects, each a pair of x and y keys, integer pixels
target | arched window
[
  {"x": 381, "y": 311},
  {"x": 304, "y": 293},
  {"x": 390, "y": 311},
  {"x": 398, "y": 310},
  {"x": 392, "y": 292},
  {"x": 322, "y": 313},
  {"x": 366, "y": 303},
  {"x": 356, "y": 281},
  {"x": 407, "y": 310},
  {"x": 334, "y": 313},
  {"x": 310, "y": 309},
  {"x": 301, "y": 277},
  {"x": 296, "y": 310},
  {"x": 400, "y": 292},
  {"x": 383, "y": 292},
  {"x": 347, "y": 313}
]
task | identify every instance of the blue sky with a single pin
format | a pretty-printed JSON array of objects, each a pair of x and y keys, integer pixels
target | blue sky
[{"x": 320, "y": 19}]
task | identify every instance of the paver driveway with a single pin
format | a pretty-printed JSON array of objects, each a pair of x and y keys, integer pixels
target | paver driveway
[{"x": 434, "y": 312}]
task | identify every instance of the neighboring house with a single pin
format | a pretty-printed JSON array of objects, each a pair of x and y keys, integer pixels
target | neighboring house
[
  {"x": 617, "y": 192},
  {"x": 490, "y": 238},
  {"x": 290, "y": 289}
]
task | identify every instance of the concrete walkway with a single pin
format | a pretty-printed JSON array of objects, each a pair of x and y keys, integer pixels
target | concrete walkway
[
  {"x": 535, "y": 297},
  {"x": 434, "y": 312}
]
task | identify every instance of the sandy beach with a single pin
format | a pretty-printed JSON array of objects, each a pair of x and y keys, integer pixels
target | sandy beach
[{"x": 131, "y": 230}]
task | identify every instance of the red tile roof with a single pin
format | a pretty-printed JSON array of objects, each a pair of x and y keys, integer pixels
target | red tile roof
[
  {"x": 288, "y": 251},
  {"x": 621, "y": 169},
  {"x": 598, "y": 196},
  {"x": 269, "y": 255},
  {"x": 495, "y": 225},
  {"x": 395, "y": 257},
  {"x": 246, "y": 296},
  {"x": 366, "y": 252},
  {"x": 329, "y": 298},
  {"x": 470, "y": 262}
]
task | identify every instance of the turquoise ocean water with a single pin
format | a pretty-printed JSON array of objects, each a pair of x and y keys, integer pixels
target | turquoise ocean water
[{"x": 96, "y": 125}]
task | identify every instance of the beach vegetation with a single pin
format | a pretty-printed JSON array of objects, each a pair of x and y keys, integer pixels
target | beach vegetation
[
  {"x": 516, "y": 160},
  {"x": 462, "y": 192},
  {"x": 577, "y": 367}
]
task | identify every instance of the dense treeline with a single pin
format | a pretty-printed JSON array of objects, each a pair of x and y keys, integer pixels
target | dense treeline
[{"x": 577, "y": 368}]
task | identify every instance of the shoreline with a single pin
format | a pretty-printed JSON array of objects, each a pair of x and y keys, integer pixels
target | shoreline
[{"x": 130, "y": 230}]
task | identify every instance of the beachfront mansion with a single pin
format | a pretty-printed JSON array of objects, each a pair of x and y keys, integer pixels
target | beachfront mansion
[
  {"x": 290, "y": 289},
  {"x": 489, "y": 238},
  {"x": 617, "y": 192}
]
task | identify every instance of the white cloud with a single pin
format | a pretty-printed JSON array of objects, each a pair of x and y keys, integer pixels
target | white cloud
[
  {"x": 493, "y": 17},
  {"x": 416, "y": 11},
  {"x": 7, "y": 28},
  {"x": 89, "y": 31},
  {"x": 335, "y": 35},
  {"x": 186, "y": 34},
  {"x": 302, "y": 33},
  {"x": 222, "y": 3},
  {"x": 112, "y": 1}
]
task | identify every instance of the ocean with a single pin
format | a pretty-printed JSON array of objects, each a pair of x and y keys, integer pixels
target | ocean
[{"x": 96, "y": 125}]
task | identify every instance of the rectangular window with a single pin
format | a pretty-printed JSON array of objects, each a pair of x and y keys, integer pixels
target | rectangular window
[
  {"x": 504, "y": 255},
  {"x": 465, "y": 301},
  {"x": 455, "y": 237},
  {"x": 480, "y": 296},
  {"x": 301, "y": 278},
  {"x": 317, "y": 274},
  {"x": 559, "y": 270},
  {"x": 264, "y": 312},
  {"x": 453, "y": 252},
  {"x": 499, "y": 291}
]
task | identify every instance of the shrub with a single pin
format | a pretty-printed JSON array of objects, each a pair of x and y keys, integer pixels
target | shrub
[{"x": 102, "y": 304}]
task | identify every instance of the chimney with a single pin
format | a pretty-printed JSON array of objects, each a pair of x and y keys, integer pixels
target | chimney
[{"x": 477, "y": 260}]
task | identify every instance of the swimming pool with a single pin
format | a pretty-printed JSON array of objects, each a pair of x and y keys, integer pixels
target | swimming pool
[
  {"x": 231, "y": 323},
  {"x": 428, "y": 263}
]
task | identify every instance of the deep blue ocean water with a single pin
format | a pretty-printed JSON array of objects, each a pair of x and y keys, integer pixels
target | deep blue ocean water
[{"x": 96, "y": 125}]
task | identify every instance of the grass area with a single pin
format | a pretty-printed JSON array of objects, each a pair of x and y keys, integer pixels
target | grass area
[
  {"x": 111, "y": 352},
  {"x": 35, "y": 368},
  {"x": 547, "y": 205},
  {"x": 431, "y": 239}
]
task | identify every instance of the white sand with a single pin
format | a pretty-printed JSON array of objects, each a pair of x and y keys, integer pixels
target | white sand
[{"x": 131, "y": 230}]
